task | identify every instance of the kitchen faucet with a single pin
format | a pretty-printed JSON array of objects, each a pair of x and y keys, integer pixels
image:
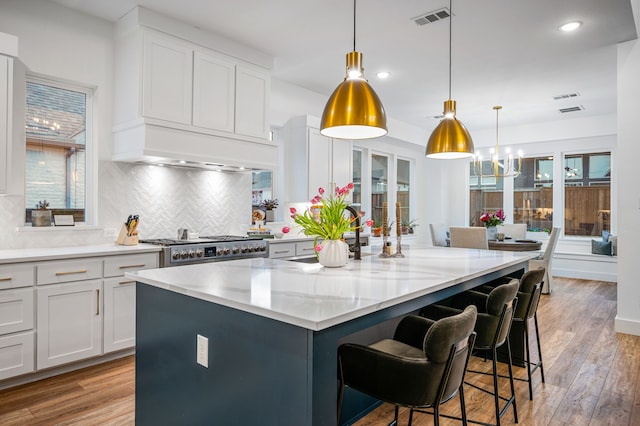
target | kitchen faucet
[{"x": 356, "y": 245}]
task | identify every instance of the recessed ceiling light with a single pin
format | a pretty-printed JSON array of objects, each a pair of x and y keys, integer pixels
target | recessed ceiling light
[
  {"x": 570, "y": 26},
  {"x": 182, "y": 162},
  {"x": 383, "y": 74}
]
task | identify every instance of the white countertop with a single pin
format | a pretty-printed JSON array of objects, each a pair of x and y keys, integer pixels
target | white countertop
[
  {"x": 38, "y": 254},
  {"x": 315, "y": 297}
]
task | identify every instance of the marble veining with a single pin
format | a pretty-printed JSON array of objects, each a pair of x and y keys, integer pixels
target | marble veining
[{"x": 315, "y": 297}]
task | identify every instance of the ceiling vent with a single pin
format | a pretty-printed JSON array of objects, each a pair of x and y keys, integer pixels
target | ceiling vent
[
  {"x": 567, "y": 96},
  {"x": 571, "y": 109},
  {"x": 429, "y": 17}
]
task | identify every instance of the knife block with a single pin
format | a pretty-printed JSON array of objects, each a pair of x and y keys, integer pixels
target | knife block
[{"x": 127, "y": 240}]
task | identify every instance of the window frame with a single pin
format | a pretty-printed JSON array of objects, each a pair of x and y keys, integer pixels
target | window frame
[{"x": 91, "y": 141}]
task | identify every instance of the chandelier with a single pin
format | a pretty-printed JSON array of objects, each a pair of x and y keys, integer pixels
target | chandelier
[{"x": 501, "y": 168}]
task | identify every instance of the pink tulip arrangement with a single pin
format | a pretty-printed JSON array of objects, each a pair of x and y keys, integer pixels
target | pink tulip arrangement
[{"x": 327, "y": 218}]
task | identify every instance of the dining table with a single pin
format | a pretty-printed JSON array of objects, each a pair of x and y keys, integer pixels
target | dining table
[{"x": 515, "y": 245}]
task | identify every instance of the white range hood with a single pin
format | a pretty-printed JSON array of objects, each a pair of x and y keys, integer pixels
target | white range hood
[{"x": 155, "y": 144}]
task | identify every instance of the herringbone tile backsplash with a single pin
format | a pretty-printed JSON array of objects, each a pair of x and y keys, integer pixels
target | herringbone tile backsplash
[{"x": 208, "y": 202}]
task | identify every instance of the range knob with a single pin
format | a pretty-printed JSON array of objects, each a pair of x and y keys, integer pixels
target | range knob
[
  {"x": 219, "y": 252},
  {"x": 192, "y": 254},
  {"x": 244, "y": 249},
  {"x": 235, "y": 250},
  {"x": 251, "y": 249},
  {"x": 226, "y": 250},
  {"x": 184, "y": 254},
  {"x": 175, "y": 255},
  {"x": 199, "y": 253},
  {"x": 263, "y": 248}
]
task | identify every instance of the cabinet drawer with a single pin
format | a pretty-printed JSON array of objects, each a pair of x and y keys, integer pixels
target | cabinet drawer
[
  {"x": 282, "y": 250},
  {"x": 14, "y": 276},
  {"x": 304, "y": 248},
  {"x": 116, "y": 266},
  {"x": 16, "y": 310},
  {"x": 16, "y": 355},
  {"x": 69, "y": 270}
]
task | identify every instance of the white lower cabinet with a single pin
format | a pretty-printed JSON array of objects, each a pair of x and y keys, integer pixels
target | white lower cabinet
[
  {"x": 69, "y": 324},
  {"x": 119, "y": 314},
  {"x": 16, "y": 354}
]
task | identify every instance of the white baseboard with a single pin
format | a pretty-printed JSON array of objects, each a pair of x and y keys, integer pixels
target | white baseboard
[
  {"x": 585, "y": 274},
  {"x": 627, "y": 326}
]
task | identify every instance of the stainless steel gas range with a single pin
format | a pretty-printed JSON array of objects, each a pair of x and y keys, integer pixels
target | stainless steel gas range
[{"x": 208, "y": 249}]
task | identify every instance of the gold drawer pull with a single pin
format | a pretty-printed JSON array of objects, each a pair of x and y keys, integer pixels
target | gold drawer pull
[
  {"x": 308, "y": 249},
  {"x": 79, "y": 271},
  {"x": 140, "y": 265},
  {"x": 125, "y": 282},
  {"x": 282, "y": 251},
  {"x": 6, "y": 278}
]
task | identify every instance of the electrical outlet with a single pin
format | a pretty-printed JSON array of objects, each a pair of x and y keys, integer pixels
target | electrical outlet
[{"x": 202, "y": 352}]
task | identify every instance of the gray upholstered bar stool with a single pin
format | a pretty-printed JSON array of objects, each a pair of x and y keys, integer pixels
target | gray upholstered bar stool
[
  {"x": 495, "y": 314},
  {"x": 528, "y": 299},
  {"x": 422, "y": 367}
]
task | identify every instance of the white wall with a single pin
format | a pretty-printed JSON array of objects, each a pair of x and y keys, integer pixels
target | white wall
[{"x": 628, "y": 317}]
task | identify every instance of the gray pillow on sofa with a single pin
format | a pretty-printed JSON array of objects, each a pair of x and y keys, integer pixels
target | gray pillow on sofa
[{"x": 601, "y": 247}]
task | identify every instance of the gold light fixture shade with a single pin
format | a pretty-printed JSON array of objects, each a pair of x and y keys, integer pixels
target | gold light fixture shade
[
  {"x": 450, "y": 139},
  {"x": 354, "y": 110}
]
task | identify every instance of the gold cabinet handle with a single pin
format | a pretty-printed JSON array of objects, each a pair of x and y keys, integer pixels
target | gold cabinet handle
[
  {"x": 79, "y": 271},
  {"x": 97, "y": 301},
  {"x": 6, "y": 278},
  {"x": 126, "y": 282},
  {"x": 141, "y": 265}
]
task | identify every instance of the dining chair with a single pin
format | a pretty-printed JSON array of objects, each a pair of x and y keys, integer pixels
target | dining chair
[
  {"x": 545, "y": 260},
  {"x": 517, "y": 231},
  {"x": 469, "y": 237},
  {"x": 438, "y": 235}
]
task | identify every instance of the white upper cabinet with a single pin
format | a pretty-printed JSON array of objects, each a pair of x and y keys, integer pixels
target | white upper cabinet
[
  {"x": 214, "y": 81},
  {"x": 252, "y": 101},
  {"x": 167, "y": 79},
  {"x": 185, "y": 86},
  {"x": 313, "y": 160},
  {"x": 5, "y": 120}
]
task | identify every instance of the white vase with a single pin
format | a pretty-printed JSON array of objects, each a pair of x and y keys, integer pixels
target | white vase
[
  {"x": 492, "y": 233},
  {"x": 270, "y": 215},
  {"x": 334, "y": 253}
]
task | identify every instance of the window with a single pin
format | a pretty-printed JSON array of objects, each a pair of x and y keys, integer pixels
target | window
[
  {"x": 56, "y": 145},
  {"x": 261, "y": 187},
  {"x": 533, "y": 194},
  {"x": 403, "y": 183},
  {"x": 485, "y": 191},
  {"x": 587, "y": 193},
  {"x": 379, "y": 185}
]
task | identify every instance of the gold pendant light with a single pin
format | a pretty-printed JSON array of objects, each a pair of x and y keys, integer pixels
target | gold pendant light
[
  {"x": 354, "y": 110},
  {"x": 450, "y": 139}
]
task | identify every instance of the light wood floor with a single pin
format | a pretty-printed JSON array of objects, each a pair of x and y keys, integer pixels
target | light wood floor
[{"x": 592, "y": 377}]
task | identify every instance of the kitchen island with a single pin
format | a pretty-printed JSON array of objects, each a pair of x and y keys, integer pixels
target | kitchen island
[{"x": 273, "y": 327}]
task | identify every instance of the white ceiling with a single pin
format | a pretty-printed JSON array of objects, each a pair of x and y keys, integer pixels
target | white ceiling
[{"x": 505, "y": 52}]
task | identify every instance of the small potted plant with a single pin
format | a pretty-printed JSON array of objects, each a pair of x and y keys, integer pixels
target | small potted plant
[
  {"x": 41, "y": 216},
  {"x": 376, "y": 229},
  {"x": 269, "y": 206}
]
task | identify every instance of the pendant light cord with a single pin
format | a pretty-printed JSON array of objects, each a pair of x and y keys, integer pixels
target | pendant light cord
[
  {"x": 450, "y": 19},
  {"x": 354, "y": 25}
]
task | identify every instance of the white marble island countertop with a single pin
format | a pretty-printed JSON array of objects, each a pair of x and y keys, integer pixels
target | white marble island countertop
[{"x": 315, "y": 297}]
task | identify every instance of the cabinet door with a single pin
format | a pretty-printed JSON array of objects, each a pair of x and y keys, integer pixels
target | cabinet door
[
  {"x": 16, "y": 354},
  {"x": 252, "y": 97},
  {"x": 318, "y": 162},
  {"x": 16, "y": 310},
  {"x": 342, "y": 163},
  {"x": 119, "y": 314},
  {"x": 5, "y": 103},
  {"x": 167, "y": 79},
  {"x": 213, "y": 92},
  {"x": 69, "y": 324}
]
